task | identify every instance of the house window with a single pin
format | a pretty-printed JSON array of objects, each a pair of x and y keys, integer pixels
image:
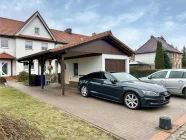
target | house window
[
  {"x": 28, "y": 45},
  {"x": 75, "y": 69},
  {"x": 4, "y": 43},
  {"x": 26, "y": 65},
  {"x": 37, "y": 31},
  {"x": 44, "y": 46}
]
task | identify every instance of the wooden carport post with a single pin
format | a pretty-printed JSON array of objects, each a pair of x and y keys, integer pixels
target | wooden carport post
[
  {"x": 42, "y": 63},
  {"x": 29, "y": 71},
  {"x": 62, "y": 75}
]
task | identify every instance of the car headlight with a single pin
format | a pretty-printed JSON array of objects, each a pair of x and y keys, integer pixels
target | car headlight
[{"x": 149, "y": 93}]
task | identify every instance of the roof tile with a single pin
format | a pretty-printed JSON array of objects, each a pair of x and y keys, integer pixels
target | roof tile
[
  {"x": 151, "y": 45},
  {"x": 6, "y": 56}
]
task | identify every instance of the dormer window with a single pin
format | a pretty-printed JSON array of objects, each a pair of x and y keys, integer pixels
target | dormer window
[{"x": 37, "y": 31}]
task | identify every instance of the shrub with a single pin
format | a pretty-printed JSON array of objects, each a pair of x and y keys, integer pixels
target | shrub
[
  {"x": 138, "y": 73},
  {"x": 159, "y": 58},
  {"x": 167, "y": 61},
  {"x": 17, "y": 129},
  {"x": 23, "y": 76},
  {"x": 2, "y": 80}
]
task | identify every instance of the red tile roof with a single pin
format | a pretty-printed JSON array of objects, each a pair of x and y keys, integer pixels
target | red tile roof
[
  {"x": 6, "y": 56},
  {"x": 91, "y": 38},
  {"x": 11, "y": 27},
  {"x": 62, "y": 36}
]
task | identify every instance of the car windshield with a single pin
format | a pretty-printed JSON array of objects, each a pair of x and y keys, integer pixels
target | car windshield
[{"x": 124, "y": 77}]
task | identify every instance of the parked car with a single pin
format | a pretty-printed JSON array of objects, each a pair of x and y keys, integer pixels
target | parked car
[
  {"x": 172, "y": 79},
  {"x": 123, "y": 88}
]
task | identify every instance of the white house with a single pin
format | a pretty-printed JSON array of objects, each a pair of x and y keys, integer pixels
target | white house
[
  {"x": 147, "y": 52},
  {"x": 84, "y": 54}
]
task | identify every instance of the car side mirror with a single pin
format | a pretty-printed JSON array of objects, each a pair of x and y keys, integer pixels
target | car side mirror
[
  {"x": 149, "y": 77},
  {"x": 113, "y": 81}
]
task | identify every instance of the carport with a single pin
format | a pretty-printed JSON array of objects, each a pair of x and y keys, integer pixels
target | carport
[{"x": 99, "y": 52}]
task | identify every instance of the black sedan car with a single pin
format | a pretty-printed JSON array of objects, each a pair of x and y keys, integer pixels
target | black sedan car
[{"x": 124, "y": 88}]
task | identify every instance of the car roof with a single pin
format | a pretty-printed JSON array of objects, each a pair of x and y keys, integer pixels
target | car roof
[
  {"x": 173, "y": 70},
  {"x": 107, "y": 72}
]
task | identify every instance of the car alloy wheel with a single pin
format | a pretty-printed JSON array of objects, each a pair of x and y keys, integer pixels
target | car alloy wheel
[
  {"x": 131, "y": 101},
  {"x": 84, "y": 91}
]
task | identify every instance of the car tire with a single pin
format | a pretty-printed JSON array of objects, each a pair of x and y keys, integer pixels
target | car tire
[
  {"x": 84, "y": 91},
  {"x": 131, "y": 100},
  {"x": 184, "y": 93}
]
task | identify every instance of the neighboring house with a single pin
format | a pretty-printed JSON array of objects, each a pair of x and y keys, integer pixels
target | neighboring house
[
  {"x": 83, "y": 54},
  {"x": 147, "y": 52}
]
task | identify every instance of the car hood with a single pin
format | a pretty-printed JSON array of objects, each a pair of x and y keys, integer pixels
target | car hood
[{"x": 144, "y": 86}]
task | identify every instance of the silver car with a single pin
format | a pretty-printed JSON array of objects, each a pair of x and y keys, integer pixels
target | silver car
[{"x": 172, "y": 79}]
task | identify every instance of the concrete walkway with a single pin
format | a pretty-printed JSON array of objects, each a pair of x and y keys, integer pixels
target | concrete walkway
[{"x": 116, "y": 118}]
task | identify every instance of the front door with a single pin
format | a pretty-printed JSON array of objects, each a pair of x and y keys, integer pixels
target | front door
[{"x": 4, "y": 68}]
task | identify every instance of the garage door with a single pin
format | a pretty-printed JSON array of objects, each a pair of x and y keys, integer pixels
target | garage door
[{"x": 114, "y": 65}]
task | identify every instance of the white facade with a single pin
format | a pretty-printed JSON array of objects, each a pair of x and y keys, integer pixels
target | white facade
[
  {"x": 30, "y": 29},
  {"x": 21, "y": 51},
  {"x": 89, "y": 64},
  {"x": 148, "y": 58}
]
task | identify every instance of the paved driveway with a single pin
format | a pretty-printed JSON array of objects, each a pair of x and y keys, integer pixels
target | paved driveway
[{"x": 116, "y": 118}]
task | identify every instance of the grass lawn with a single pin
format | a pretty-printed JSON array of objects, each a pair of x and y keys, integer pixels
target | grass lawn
[{"x": 54, "y": 123}]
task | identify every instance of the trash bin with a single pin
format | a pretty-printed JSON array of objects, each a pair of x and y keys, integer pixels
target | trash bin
[
  {"x": 33, "y": 80},
  {"x": 38, "y": 79}
]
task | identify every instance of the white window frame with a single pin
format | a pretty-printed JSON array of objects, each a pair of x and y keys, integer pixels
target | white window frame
[
  {"x": 28, "y": 46},
  {"x": 4, "y": 43},
  {"x": 43, "y": 47},
  {"x": 37, "y": 30},
  {"x": 26, "y": 66}
]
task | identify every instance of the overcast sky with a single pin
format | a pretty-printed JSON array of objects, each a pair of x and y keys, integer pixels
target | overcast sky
[{"x": 132, "y": 21}]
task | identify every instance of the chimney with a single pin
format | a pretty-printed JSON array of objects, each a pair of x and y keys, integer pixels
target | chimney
[
  {"x": 151, "y": 36},
  {"x": 68, "y": 30},
  {"x": 93, "y": 34},
  {"x": 163, "y": 38}
]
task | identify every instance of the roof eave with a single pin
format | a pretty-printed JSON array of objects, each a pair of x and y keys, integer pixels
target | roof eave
[{"x": 33, "y": 56}]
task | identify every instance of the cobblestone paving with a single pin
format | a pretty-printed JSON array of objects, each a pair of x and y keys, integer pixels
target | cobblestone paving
[
  {"x": 116, "y": 118},
  {"x": 180, "y": 134}
]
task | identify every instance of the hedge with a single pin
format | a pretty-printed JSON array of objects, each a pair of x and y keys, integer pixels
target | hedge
[{"x": 141, "y": 72}]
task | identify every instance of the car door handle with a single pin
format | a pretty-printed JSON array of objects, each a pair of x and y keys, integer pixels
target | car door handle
[
  {"x": 161, "y": 81},
  {"x": 180, "y": 81}
]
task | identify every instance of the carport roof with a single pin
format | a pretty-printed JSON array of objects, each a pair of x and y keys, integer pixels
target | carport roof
[
  {"x": 92, "y": 38},
  {"x": 61, "y": 49}
]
